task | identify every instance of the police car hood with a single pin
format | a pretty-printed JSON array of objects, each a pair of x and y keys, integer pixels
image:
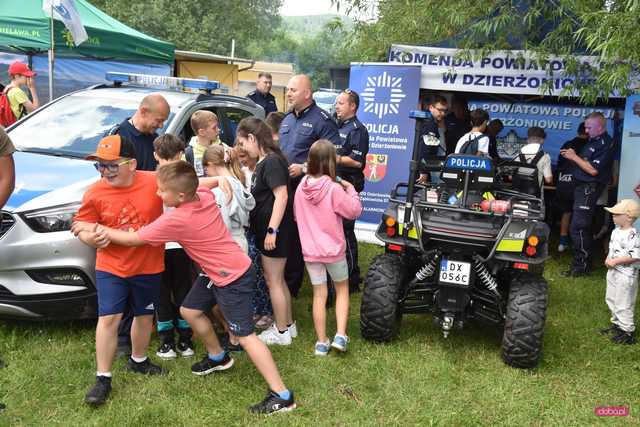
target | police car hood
[
  {"x": 45, "y": 181},
  {"x": 316, "y": 190}
]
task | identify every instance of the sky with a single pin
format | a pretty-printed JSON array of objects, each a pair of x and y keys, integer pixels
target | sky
[{"x": 304, "y": 7}]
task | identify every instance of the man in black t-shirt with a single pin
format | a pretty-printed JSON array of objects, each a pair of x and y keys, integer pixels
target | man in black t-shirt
[{"x": 565, "y": 185}]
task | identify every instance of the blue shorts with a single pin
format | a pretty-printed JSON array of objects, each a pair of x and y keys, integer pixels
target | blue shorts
[
  {"x": 115, "y": 291},
  {"x": 235, "y": 300}
]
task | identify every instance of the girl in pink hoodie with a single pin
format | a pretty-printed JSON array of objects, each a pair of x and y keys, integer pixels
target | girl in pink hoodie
[{"x": 320, "y": 203}]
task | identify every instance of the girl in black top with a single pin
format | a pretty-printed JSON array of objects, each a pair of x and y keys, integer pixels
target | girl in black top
[{"x": 271, "y": 221}]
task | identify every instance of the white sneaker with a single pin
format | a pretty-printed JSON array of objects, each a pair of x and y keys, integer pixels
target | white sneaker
[
  {"x": 561, "y": 247},
  {"x": 273, "y": 336},
  {"x": 293, "y": 330}
]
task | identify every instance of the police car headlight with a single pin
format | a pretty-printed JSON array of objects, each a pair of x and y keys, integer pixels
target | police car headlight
[{"x": 57, "y": 218}]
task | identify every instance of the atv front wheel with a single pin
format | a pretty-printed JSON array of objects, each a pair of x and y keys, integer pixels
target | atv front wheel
[
  {"x": 524, "y": 325},
  {"x": 380, "y": 314}
]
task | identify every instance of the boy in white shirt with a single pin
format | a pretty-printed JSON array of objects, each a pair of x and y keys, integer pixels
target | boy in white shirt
[
  {"x": 475, "y": 142},
  {"x": 623, "y": 262}
]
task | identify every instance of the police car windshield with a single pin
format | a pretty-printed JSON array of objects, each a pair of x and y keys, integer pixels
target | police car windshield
[
  {"x": 73, "y": 126},
  {"x": 325, "y": 98}
]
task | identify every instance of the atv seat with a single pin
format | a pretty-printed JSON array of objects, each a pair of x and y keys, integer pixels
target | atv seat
[{"x": 480, "y": 169}]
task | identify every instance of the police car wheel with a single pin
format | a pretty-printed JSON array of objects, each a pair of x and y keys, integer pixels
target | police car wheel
[
  {"x": 524, "y": 324},
  {"x": 380, "y": 311}
]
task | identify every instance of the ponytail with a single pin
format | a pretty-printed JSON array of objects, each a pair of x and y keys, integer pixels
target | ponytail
[{"x": 218, "y": 155}]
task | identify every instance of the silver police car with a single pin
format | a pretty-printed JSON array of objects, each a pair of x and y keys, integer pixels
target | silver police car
[{"x": 46, "y": 273}]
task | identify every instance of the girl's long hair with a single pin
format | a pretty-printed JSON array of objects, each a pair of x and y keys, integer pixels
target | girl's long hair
[
  {"x": 217, "y": 155},
  {"x": 262, "y": 133},
  {"x": 322, "y": 159}
]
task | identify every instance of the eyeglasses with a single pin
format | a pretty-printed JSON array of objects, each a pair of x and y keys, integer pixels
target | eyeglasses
[{"x": 111, "y": 167}]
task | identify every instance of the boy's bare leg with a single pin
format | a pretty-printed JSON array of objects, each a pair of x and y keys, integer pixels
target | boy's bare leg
[
  {"x": 319, "y": 311},
  {"x": 141, "y": 335},
  {"x": 106, "y": 341},
  {"x": 342, "y": 306},
  {"x": 201, "y": 325},
  {"x": 263, "y": 360},
  {"x": 565, "y": 223}
]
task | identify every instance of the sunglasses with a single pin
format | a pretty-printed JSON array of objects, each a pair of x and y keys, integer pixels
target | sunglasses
[{"x": 111, "y": 167}]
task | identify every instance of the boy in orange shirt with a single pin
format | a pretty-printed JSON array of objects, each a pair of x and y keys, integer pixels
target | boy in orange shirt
[{"x": 124, "y": 199}]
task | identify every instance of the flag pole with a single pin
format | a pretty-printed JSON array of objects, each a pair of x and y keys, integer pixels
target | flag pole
[{"x": 51, "y": 57}]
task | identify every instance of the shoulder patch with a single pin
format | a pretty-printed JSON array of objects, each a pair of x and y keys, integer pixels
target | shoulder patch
[{"x": 253, "y": 92}]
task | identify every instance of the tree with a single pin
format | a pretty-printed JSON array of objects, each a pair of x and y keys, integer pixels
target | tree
[
  {"x": 606, "y": 29},
  {"x": 200, "y": 25}
]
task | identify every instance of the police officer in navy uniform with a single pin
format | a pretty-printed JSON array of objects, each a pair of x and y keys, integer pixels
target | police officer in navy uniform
[
  {"x": 302, "y": 126},
  {"x": 351, "y": 160},
  {"x": 591, "y": 173},
  {"x": 431, "y": 143},
  {"x": 262, "y": 95}
]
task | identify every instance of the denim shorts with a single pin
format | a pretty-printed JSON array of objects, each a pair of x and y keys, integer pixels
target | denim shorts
[
  {"x": 339, "y": 271},
  {"x": 114, "y": 292},
  {"x": 235, "y": 300}
]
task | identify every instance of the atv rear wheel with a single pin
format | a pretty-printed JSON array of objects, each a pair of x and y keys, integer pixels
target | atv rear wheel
[
  {"x": 380, "y": 313},
  {"x": 524, "y": 325}
]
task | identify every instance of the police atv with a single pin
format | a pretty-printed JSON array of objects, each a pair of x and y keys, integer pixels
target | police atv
[{"x": 469, "y": 248}]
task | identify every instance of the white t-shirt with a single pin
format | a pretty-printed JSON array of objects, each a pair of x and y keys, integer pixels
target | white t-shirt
[
  {"x": 625, "y": 243},
  {"x": 544, "y": 164},
  {"x": 483, "y": 142}
]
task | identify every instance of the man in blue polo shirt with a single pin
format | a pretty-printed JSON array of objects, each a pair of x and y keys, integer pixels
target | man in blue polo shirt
[
  {"x": 351, "y": 161},
  {"x": 141, "y": 129},
  {"x": 152, "y": 112},
  {"x": 262, "y": 95},
  {"x": 302, "y": 126},
  {"x": 591, "y": 173}
]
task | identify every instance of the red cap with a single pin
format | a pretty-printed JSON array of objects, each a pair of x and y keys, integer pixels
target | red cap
[{"x": 20, "y": 68}]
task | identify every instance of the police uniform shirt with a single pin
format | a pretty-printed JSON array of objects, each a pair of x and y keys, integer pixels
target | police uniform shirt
[
  {"x": 355, "y": 145},
  {"x": 429, "y": 139},
  {"x": 598, "y": 152},
  {"x": 565, "y": 166},
  {"x": 143, "y": 143},
  {"x": 299, "y": 131},
  {"x": 268, "y": 101}
]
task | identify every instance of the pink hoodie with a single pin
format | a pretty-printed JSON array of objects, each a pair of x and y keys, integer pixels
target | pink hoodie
[{"x": 319, "y": 206}]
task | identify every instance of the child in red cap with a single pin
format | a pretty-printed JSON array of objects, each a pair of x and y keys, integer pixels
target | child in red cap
[{"x": 21, "y": 75}]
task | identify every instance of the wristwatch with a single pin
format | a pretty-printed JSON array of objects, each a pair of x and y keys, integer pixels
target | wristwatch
[
  {"x": 304, "y": 169},
  {"x": 272, "y": 230}
]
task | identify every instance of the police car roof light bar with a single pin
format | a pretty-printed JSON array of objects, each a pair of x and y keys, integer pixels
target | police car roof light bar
[{"x": 179, "y": 83}]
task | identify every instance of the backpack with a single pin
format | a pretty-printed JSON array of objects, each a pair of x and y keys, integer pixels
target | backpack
[
  {"x": 471, "y": 146},
  {"x": 7, "y": 117},
  {"x": 526, "y": 179}
]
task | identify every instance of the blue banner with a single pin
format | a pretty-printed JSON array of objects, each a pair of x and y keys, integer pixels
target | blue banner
[
  {"x": 560, "y": 123},
  {"x": 387, "y": 94},
  {"x": 628, "y": 186}
]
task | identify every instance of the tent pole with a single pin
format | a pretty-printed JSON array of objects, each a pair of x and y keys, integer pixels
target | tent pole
[{"x": 51, "y": 58}]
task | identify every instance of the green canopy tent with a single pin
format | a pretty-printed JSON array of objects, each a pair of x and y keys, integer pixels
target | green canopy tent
[{"x": 25, "y": 29}]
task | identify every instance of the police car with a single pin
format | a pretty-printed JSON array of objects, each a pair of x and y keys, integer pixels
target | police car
[
  {"x": 44, "y": 271},
  {"x": 326, "y": 99}
]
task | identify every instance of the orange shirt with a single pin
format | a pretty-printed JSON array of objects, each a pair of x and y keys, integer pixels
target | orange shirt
[{"x": 125, "y": 208}]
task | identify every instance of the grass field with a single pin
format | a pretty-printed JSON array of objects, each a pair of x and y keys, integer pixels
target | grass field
[{"x": 420, "y": 379}]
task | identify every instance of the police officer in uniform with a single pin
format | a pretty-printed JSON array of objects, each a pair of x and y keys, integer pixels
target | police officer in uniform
[
  {"x": 262, "y": 95},
  {"x": 591, "y": 173},
  {"x": 432, "y": 144},
  {"x": 302, "y": 126},
  {"x": 350, "y": 162}
]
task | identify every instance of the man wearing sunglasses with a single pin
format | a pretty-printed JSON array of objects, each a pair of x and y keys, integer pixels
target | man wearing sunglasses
[
  {"x": 431, "y": 144},
  {"x": 125, "y": 199}
]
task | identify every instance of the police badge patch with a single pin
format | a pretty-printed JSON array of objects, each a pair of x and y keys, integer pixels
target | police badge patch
[{"x": 431, "y": 140}]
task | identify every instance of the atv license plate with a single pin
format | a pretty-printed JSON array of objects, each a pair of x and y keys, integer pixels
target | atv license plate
[{"x": 455, "y": 272}]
